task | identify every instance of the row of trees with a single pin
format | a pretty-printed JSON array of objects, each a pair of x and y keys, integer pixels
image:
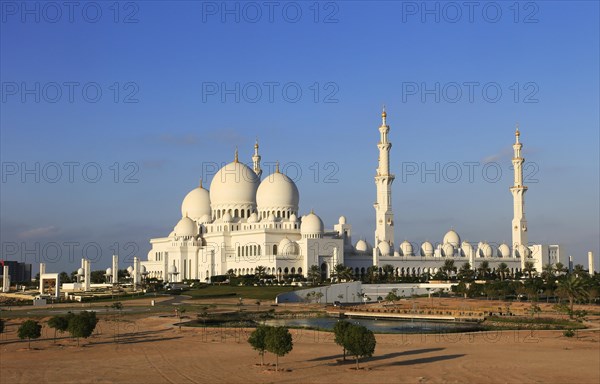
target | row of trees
[
  {"x": 277, "y": 340},
  {"x": 355, "y": 339},
  {"x": 80, "y": 325}
]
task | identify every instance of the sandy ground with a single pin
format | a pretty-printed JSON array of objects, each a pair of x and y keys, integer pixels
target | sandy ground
[{"x": 152, "y": 350}]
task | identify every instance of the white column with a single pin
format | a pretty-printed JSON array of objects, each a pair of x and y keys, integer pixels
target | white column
[
  {"x": 590, "y": 263},
  {"x": 115, "y": 269},
  {"x": 42, "y": 273},
  {"x": 5, "y": 279},
  {"x": 518, "y": 190},
  {"x": 136, "y": 272},
  {"x": 87, "y": 275}
]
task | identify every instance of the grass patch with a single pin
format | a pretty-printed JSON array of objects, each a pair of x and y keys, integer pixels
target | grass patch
[
  {"x": 245, "y": 292},
  {"x": 498, "y": 322}
]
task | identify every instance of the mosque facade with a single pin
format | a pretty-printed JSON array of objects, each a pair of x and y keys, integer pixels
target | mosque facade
[{"x": 244, "y": 221}]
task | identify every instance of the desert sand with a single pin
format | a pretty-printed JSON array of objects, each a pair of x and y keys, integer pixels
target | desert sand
[{"x": 153, "y": 350}]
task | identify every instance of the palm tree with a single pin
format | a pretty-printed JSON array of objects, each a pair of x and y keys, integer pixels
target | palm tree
[
  {"x": 448, "y": 267},
  {"x": 547, "y": 271},
  {"x": 465, "y": 272},
  {"x": 341, "y": 272},
  {"x": 573, "y": 287},
  {"x": 529, "y": 268},
  {"x": 559, "y": 268},
  {"x": 388, "y": 271},
  {"x": 579, "y": 270},
  {"x": 484, "y": 269},
  {"x": 373, "y": 274},
  {"x": 260, "y": 272},
  {"x": 314, "y": 274},
  {"x": 502, "y": 270}
]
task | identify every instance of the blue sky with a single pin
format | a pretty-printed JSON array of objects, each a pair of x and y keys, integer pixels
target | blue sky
[{"x": 169, "y": 75}]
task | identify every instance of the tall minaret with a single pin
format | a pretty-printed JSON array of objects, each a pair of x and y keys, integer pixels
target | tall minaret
[
  {"x": 256, "y": 160},
  {"x": 384, "y": 226},
  {"x": 519, "y": 223}
]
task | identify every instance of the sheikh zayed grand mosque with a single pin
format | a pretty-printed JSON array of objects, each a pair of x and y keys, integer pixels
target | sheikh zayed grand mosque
[{"x": 245, "y": 220}]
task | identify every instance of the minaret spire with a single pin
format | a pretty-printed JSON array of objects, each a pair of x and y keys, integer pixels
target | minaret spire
[
  {"x": 384, "y": 216},
  {"x": 235, "y": 156},
  {"x": 518, "y": 190},
  {"x": 256, "y": 160}
]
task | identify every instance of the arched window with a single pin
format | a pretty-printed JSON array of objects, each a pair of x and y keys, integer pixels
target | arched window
[
  {"x": 299, "y": 270},
  {"x": 242, "y": 212},
  {"x": 293, "y": 271},
  {"x": 235, "y": 213},
  {"x": 274, "y": 249},
  {"x": 259, "y": 251},
  {"x": 285, "y": 271}
]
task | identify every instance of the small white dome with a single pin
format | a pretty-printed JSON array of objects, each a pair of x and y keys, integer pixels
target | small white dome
[
  {"x": 342, "y": 220},
  {"x": 277, "y": 191},
  {"x": 503, "y": 250},
  {"x": 234, "y": 184},
  {"x": 108, "y": 271},
  {"x": 287, "y": 247},
  {"x": 448, "y": 250},
  {"x": 185, "y": 227},
  {"x": 253, "y": 218},
  {"x": 466, "y": 249},
  {"x": 406, "y": 248},
  {"x": 485, "y": 250},
  {"x": 384, "y": 248},
  {"x": 172, "y": 269},
  {"x": 362, "y": 246},
  {"x": 206, "y": 219},
  {"x": 80, "y": 272},
  {"x": 452, "y": 237},
  {"x": 311, "y": 224},
  {"x": 293, "y": 218},
  {"x": 396, "y": 254},
  {"x": 142, "y": 269},
  {"x": 427, "y": 249},
  {"x": 196, "y": 203},
  {"x": 130, "y": 269},
  {"x": 227, "y": 217},
  {"x": 523, "y": 251}
]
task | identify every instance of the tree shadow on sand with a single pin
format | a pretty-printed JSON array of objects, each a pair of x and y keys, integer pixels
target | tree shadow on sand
[{"x": 423, "y": 360}]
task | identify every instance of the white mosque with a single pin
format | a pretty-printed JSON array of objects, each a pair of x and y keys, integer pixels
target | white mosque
[{"x": 244, "y": 222}]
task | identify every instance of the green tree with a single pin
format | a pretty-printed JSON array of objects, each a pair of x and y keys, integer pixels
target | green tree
[
  {"x": 82, "y": 325},
  {"x": 257, "y": 340},
  {"x": 529, "y": 269},
  {"x": 360, "y": 342},
  {"x": 388, "y": 272},
  {"x": 503, "y": 270},
  {"x": 278, "y": 341},
  {"x": 573, "y": 288},
  {"x": 559, "y": 268},
  {"x": 392, "y": 295},
  {"x": 339, "y": 330},
  {"x": 314, "y": 274},
  {"x": 260, "y": 272},
  {"x": 484, "y": 269},
  {"x": 465, "y": 273},
  {"x": 30, "y": 329},
  {"x": 448, "y": 268},
  {"x": 59, "y": 323},
  {"x": 64, "y": 277}
]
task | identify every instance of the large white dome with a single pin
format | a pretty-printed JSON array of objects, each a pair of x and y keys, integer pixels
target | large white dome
[
  {"x": 234, "y": 186},
  {"x": 452, "y": 237},
  {"x": 277, "y": 192},
  {"x": 287, "y": 247},
  {"x": 196, "y": 203}
]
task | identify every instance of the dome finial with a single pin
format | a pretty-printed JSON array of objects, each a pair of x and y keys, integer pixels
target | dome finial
[
  {"x": 517, "y": 132},
  {"x": 256, "y": 143},
  {"x": 277, "y": 167},
  {"x": 383, "y": 115},
  {"x": 200, "y": 182},
  {"x": 235, "y": 156}
]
